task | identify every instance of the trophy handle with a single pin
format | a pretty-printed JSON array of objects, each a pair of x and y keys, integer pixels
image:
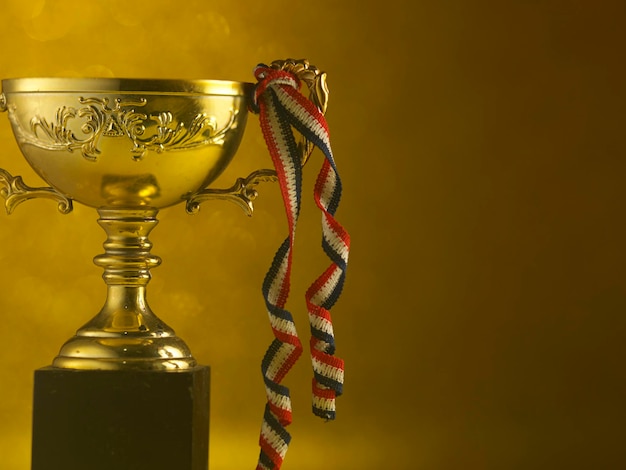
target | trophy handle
[
  {"x": 15, "y": 191},
  {"x": 244, "y": 192}
]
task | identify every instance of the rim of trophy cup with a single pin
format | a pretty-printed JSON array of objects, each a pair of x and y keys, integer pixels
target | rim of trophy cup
[{"x": 111, "y": 84}]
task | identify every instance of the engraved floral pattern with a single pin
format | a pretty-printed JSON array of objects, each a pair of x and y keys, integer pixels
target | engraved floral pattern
[{"x": 100, "y": 118}]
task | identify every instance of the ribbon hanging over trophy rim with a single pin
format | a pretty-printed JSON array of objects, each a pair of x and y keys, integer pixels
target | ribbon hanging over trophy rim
[{"x": 282, "y": 107}]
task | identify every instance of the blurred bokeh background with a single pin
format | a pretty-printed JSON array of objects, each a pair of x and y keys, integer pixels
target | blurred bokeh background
[{"x": 482, "y": 149}]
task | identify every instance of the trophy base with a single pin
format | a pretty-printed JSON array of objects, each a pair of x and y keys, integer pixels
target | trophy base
[
  {"x": 121, "y": 419},
  {"x": 137, "y": 351}
]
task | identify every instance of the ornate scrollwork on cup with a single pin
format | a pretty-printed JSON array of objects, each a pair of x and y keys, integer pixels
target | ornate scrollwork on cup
[
  {"x": 99, "y": 119},
  {"x": 175, "y": 136}
]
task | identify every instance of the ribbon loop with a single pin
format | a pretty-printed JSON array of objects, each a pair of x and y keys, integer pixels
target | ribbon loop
[{"x": 267, "y": 77}]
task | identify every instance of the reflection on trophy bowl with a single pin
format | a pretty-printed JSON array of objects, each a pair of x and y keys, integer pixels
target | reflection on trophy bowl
[
  {"x": 128, "y": 147},
  {"x": 127, "y": 142}
]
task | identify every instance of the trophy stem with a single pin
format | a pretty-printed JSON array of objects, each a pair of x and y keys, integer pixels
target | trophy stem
[{"x": 126, "y": 334}]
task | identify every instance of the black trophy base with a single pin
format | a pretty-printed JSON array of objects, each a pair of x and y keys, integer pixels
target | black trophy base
[{"x": 121, "y": 420}]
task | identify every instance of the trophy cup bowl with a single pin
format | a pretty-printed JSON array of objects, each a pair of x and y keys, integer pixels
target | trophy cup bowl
[
  {"x": 127, "y": 142},
  {"x": 127, "y": 147}
]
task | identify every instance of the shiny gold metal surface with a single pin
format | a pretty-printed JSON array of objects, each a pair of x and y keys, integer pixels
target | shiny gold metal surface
[
  {"x": 242, "y": 193},
  {"x": 127, "y": 147},
  {"x": 126, "y": 333},
  {"x": 126, "y": 142},
  {"x": 15, "y": 191}
]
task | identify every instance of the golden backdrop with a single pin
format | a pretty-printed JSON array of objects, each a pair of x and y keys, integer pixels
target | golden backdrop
[{"x": 481, "y": 146}]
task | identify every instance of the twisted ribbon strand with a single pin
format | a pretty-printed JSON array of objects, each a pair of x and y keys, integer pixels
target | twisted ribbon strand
[{"x": 282, "y": 107}]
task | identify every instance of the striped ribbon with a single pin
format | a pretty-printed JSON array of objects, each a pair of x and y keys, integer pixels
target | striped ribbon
[{"x": 281, "y": 107}]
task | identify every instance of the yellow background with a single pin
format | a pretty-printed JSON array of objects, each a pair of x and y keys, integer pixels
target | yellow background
[{"x": 481, "y": 145}]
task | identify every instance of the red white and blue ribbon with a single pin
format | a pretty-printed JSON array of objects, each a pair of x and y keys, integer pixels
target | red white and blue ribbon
[{"x": 281, "y": 108}]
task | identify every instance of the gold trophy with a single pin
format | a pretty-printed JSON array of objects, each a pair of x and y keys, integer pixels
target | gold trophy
[{"x": 128, "y": 148}]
